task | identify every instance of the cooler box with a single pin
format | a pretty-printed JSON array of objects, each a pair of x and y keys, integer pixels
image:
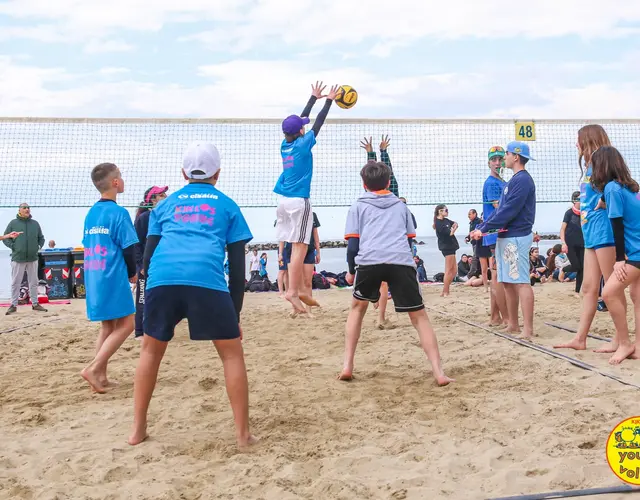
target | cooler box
[
  {"x": 58, "y": 273},
  {"x": 79, "y": 291}
]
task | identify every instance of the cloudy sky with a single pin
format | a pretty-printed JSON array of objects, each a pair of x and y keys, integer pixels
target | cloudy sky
[{"x": 254, "y": 58}]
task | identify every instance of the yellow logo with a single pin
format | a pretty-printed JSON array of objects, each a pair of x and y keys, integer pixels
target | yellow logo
[
  {"x": 623, "y": 450},
  {"x": 517, "y": 150}
]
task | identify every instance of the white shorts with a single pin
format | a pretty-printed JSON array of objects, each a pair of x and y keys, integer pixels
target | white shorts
[{"x": 295, "y": 220}]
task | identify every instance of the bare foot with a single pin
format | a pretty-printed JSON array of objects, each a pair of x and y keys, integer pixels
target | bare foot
[
  {"x": 108, "y": 383},
  {"x": 138, "y": 436},
  {"x": 623, "y": 352},
  {"x": 310, "y": 301},
  {"x": 93, "y": 380},
  {"x": 527, "y": 336},
  {"x": 636, "y": 354},
  {"x": 296, "y": 303},
  {"x": 607, "y": 348},
  {"x": 577, "y": 344},
  {"x": 346, "y": 375},
  {"x": 443, "y": 380},
  {"x": 444, "y": 294},
  {"x": 513, "y": 331},
  {"x": 246, "y": 441}
]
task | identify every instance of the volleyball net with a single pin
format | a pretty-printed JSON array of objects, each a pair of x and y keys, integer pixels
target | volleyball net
[{"x": 48, "y": 162}]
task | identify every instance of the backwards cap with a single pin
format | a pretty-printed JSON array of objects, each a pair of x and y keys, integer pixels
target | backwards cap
[{"x": 201, "y": 160}]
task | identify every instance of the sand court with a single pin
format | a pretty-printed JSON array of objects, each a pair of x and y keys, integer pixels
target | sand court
[{"x": 515, "y": 421}]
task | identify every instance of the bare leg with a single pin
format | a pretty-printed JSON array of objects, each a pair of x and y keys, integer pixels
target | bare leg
[
  {"x": 484, "y": 266},
  {"x": 281, "y": 284},
  {"x": 606, "y": 260},
  {"x": 635, "y": 297},
  {"x": 296, "y": 272},
  {"x": 525, "y": 294},
  {"x": 106, "y": 329},
  {"x": 307, "y": 288},
  {"x": 449, "y": 274},
  {"x": 511, "y": 295},
  {"x": 429, "y": 342},
  {"x": 235, "y": 376},
  {"x": 590, "y": 288},
  {"x": 151, "y": 354},
  {"x": 499, "y": 293},
  {"x": 352, "y": 335},
  {"x": 382, "y": 305},
  {"x": 613, "y": 295},
  {"x": 97, "y": 369}
]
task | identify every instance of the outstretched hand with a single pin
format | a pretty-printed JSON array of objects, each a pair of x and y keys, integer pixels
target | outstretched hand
[
  {"x": 333, "y": 93},
  {"x": 366, "y": 145},
  {"x": 13, "y": 234},
  {"x": 317, "y": 89},
  {"x": 384, "y": 144}
]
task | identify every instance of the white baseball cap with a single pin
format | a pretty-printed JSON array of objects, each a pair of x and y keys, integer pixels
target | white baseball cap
[{"x": 201, "y": 160}]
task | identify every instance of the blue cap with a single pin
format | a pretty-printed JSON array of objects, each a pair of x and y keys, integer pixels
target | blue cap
[
  {"x": 519, "y": 148},
  {"x": 292, "y": 124}
]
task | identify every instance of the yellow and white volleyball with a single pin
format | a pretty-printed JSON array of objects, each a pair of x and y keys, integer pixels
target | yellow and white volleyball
[{"x": 347, "y": 97}]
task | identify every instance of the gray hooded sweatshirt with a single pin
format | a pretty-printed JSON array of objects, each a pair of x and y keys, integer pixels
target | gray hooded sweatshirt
[{"x": 382, "y": 223}]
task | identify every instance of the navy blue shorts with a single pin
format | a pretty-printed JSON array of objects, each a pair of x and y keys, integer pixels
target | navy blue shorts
[
  {"x": 309, "y": 258},
  {"x": 210, "y": 313},
  {"x": 483, "y": 252}
]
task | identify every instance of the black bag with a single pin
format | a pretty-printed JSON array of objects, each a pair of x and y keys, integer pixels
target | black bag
[
  {"x": 319, "y": 282},
  {"x": 438, "y": 278}
]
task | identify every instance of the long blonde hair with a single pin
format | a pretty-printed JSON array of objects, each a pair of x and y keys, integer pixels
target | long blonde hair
[{"x": 590, "y": 138}]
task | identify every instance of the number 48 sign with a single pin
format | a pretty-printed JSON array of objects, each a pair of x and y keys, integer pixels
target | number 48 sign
[{"x": 525, "y": 131}]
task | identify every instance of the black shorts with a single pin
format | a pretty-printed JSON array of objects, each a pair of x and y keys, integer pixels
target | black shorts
[
  {"x": 446, "y": 253},
  {"x": 210, "y": 313},
  {"x": 634, "y": 263},
  {"x": 483, "y": 252},
  {"x": 403, "y": 285}
]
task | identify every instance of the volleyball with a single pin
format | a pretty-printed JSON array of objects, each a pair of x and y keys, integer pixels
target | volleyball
[{"x": 347, "y": 97}]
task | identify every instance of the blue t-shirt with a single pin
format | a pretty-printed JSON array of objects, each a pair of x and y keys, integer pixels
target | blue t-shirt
[
  {"x": 107, "y": 231},
  {"x": 623, "y": 203},
  {"x": 195, "y": 224},
  {"x": 596, "y": 227},
  {"x": 491, "y": 192},
  {"x": 297, "y": 164}
]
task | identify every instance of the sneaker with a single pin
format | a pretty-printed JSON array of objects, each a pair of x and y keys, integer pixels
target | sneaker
[
  {"x": 38, "y": 307},
  {"x": 11, "y": 310}
]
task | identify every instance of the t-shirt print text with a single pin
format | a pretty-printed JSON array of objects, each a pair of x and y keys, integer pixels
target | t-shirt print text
[
  {"x": 97, "y": 230},
  {"x": 94, "y": 258},
  {"x": 195, "y": 214}
]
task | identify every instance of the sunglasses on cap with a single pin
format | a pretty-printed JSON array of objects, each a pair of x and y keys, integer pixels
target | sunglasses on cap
[{"x": 496, "y": 149}]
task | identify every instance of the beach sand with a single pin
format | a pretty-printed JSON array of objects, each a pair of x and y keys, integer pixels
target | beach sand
[{"x": 515, "y": 421}]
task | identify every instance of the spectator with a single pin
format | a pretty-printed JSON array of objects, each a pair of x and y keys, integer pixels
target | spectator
[
  {"x": 52, "y": 244},
  {"x": 537, "y": 269},
  {"x": 572, "y": 239},
  {"x": 474, "y": 260},
  {"x": 263, "y": 266},
  {"x": 422, "y": 272},
  {"x": 464, "y": 267},
  {"x": 254, "y": 266},
  {"x": 447, "y": 244},
  {"x": 25, "y": 244}
]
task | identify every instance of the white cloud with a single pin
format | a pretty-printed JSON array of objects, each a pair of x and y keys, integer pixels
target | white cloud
[
  {"x": 104, "y": 46},
  {"x": 272, "y": 89},
  {"x": 113, "y": 71},
  {"x": 244, "y": 24}
]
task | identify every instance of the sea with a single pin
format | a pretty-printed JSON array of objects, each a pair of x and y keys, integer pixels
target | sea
[{"x": 331, "y": 259}]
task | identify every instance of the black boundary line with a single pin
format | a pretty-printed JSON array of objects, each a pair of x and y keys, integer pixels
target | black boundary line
[
  {"x": 530, "y": 345},
  {"x": 567, "y": 329},
  {"x": 574, "y": 493},
  {"x": 21, "y": 327}
]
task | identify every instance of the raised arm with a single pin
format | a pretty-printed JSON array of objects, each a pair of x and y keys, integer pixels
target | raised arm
[{"x": 319, "y": 121}]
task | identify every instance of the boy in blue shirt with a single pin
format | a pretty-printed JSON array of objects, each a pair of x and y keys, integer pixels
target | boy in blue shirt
[
  {"x": 515, "y": 214},
  {"x": 294, "y": 214},
  {"x": 611, "y": 175},
  {"x": 485, "y": 249},
  {"x": 110, "y": 266},
  {"x": 184, "y": 265},
  {"x": 379, "y": 231}
]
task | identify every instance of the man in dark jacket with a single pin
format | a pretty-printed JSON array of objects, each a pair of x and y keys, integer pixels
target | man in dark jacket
[{"x": 24, "y": 256}]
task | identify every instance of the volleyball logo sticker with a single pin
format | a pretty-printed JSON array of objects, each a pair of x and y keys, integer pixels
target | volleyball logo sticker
[{"x": 623, "y": 450}]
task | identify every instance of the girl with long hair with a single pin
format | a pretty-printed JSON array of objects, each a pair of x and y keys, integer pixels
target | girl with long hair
[
  {"x": 612, "y": 177},
  {"x": 152, "y": 197},
  {"x": 447, "y": 244},
  {"x": 599, "y": 253}
]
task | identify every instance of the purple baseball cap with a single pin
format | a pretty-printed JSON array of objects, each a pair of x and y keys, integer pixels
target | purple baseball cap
[{"x": 292, "y": 124}]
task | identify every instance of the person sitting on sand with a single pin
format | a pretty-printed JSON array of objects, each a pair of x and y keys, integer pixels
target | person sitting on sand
[
  {"x": 379, "y": 230},
  {"x": 537, "y": 270}
]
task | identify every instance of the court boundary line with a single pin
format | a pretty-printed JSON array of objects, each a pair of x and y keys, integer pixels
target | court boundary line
[
  {"x": 571, "y": 330},
  {"x": 536, "y": 347},
  {"x": 10, "y": 330},
  {"x": 625, "y": 488}
]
